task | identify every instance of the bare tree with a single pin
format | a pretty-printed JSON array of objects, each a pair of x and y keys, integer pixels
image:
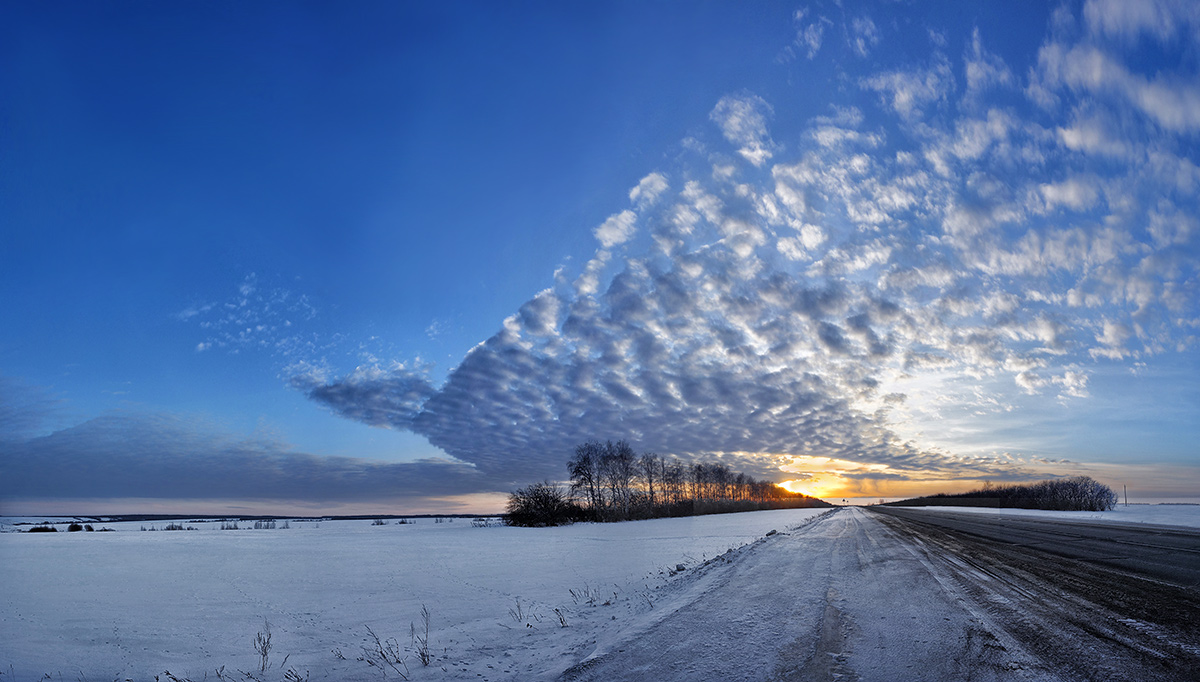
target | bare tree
[
  {"x": 619, "y": 466},
  {"x": 649, "y": 470},
  {"x": 584, "y": 470}
]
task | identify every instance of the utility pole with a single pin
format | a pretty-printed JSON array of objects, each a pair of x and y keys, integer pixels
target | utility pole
[{"x": 1126, "y": 489}]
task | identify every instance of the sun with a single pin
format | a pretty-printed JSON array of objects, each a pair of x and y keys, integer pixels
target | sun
[{"x": 817, "y": 486}]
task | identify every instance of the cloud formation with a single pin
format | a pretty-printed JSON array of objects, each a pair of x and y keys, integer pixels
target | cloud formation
[
  {"x": 257, "y": 318},
  {"x": 743, "y": 121},
  {"x": 139, "y": 456},
  {"x": 945, "y": 243}
]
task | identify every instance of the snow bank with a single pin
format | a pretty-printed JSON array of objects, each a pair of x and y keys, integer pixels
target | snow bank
[{"x": 132, "y": 605}]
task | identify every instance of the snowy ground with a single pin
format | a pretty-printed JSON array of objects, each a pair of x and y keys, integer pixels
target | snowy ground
[
  {"x": 1157, "y": 514},
  {"x": 134, "y": 605}
]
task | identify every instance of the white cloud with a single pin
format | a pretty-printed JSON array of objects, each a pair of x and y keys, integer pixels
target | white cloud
[
  {"x": 618, "y": 229},
  {"x": 1129, "y": 20},
  {"x": 1169, "y": 227},
  {"x": 743, "y": 121},
  {"x": 1092, "y": 134},
  {"x": 909, "y": 92},
  {"x": 1076, "y": 193},
  {"x": 648, "y": 190},
  {"x": 256, "y": 318},
  {"x": 792, "y": 248},
  {"x": 833, "y": 136},
  {"x": 1172, "y": 102},
  {"x": 1030, "y": 382},
  {"x": 810, "y": 36},
  {"x": 1074, "y": 384},
  {"x": 1114, "y": 336},
  {"x": 984, "y": 69},
  {"x": 863, "y": 35}
]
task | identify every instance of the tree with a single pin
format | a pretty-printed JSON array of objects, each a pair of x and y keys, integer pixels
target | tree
[
  {"x": 649, "y": 470},
  {"x": 619, "y": 467},
  {"x": 541, "y": 504},
  {"x": 584, "y": 470}
]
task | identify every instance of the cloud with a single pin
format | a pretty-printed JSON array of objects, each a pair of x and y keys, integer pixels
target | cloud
[
  {"x": 1076, "y": 193},
  {"x": 863, "y": 35},
  {"x": 256, "y": 318},
  {"x": 949, "y": 245},
  {"x": 743, "y": 120},
  {"x": 1173, "y": 102},
  {"x": 1094, "y": 133},
  {"x": 810, "y": 35},
  {"x": 984, "y": 69},
  {"x": 25, "y": 410},
  {"x": 154, "y": 456},
  {"x": 908, "y": 93},
  {"x": 371, "y": 395},
  {"x": 648, "y": 190},
  {"x": 1128, "y": 21},
  {"x": 618, "y": 229}
]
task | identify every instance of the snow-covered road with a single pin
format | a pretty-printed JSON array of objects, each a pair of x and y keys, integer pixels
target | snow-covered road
[
  {"x": 861, "y": 596},
  {"x": 844, "y": 598}
]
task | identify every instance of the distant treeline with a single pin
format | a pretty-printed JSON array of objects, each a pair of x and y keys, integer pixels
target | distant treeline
[
  {"x": 1080, "y": 493},
  {"x": 611, "y": 482}
]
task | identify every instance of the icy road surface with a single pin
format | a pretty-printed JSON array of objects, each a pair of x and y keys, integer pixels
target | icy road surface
[{"x": 871, "y": 597}]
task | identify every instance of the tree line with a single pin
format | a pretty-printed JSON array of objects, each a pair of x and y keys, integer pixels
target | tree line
[
  {"x": 1078, "y": 493},
  {"x": 611, "y": 482}
]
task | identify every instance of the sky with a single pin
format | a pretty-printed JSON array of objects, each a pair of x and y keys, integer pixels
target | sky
[{"x": 404, "y": 257}]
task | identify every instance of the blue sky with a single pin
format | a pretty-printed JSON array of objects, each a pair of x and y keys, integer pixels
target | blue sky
[{"x": 403, "y": 256}]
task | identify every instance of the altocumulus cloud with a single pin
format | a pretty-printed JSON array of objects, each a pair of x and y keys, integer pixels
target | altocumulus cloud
[{"x": 761, "y": 308}]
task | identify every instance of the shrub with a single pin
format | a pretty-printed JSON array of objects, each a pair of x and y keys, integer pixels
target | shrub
[
  {"x": 74, "y": 528},
  {"x": 420, "y": 639},
  {"x": 262, "y": 645},
  {"x": 541, "y": 504},
  {"x": 43, "y": 529}
]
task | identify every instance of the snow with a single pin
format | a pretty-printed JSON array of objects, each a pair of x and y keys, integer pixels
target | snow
[
  {"x": 1187, "y": 515},
  {"x": 133, "y": 605}
]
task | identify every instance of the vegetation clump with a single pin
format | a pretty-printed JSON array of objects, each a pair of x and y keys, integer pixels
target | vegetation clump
[
  {"x": 1077, "y": 493},
  {"x": 611, "y": 482},
  {"x": 542, "y": 504}
]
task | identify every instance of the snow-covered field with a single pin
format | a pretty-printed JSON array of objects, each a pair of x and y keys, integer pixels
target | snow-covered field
[
  {"x": 134, "y": 605},
  {"x": 1155, "y": 514}
]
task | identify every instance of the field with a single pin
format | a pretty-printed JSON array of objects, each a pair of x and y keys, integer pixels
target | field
[
  {"x": 135, "y": 605},
  {"x": 344, "y": 600}
]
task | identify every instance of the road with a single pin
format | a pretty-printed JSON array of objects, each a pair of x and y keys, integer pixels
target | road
[
  {"x": 1164, "y": 553},
  {"x": 909, "y": 595}
]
